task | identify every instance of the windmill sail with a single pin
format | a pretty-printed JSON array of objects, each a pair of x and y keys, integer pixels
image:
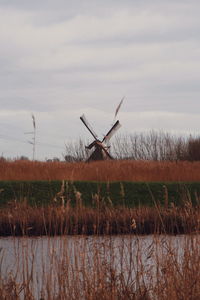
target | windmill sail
[
  {"x": 112, "y": 131},
  {"x": 85, "y": 122},
  {"x": 101, "y": 148},
  {"x": 118, "y": 107}
]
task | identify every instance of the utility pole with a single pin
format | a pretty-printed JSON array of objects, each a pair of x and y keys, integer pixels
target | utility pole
[{"x": 33, "y": 133}]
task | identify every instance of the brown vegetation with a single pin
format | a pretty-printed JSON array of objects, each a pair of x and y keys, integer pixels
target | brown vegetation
[
  {"x": 106, "y": 267},
  {"x": 21, "y": 219},
  {"x": 119, "y": 170},
  {"x": 101, "y": 266}
]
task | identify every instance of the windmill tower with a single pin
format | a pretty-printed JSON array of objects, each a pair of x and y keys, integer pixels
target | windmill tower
[{"x": 101, "y": 148}]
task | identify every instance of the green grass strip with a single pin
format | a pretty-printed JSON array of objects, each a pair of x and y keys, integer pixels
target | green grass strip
[{"x": 129, "y": 194}]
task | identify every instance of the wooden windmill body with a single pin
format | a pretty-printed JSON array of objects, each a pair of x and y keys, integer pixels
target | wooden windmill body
[{"x": 101, "y": 150}]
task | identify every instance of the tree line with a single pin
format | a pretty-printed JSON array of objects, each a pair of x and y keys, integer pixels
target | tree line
[{"x": 153, "y": 145}]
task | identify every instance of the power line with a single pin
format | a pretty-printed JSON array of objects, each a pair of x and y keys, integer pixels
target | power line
[
  {"x": 9, "y": 138},
  {"x": 9, "y": 126},
  {"x": 49, "y": 145}
]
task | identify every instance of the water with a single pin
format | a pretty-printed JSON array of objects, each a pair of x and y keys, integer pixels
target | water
[{"x": 49, "y": 262}]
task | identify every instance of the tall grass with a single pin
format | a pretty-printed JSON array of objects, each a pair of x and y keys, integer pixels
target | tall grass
[
  {"x": 19, "y": 219},
  {"x": 119, "y": 170},
  {"x": 93, "y": 263},
  {"x": 103, "y": 267}
]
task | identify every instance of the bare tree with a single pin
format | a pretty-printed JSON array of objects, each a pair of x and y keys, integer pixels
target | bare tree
[{"x": 153, "y": 145}]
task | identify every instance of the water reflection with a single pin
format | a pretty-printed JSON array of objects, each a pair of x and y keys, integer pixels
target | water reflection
[{"x": 46, "y": 261}]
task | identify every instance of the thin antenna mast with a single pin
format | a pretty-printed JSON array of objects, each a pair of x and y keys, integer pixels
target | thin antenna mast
[
  {"x": 34, "y": 135},
  {"x": 33, "y": 141}
]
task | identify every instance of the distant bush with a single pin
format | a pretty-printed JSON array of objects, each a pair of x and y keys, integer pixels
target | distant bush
[
  {"x": 23, "y": 158},
  {"x": 194, "y": 149},
  {"x": 69, "y": 158},
  {"x": 75, "y": 151},
  {"x": 2, "y": 159}
]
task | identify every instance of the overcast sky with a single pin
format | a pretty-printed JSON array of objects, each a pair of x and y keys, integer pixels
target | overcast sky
[{"x": 60, "y": 59}]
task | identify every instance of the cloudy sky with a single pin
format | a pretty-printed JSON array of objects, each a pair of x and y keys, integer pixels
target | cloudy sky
[{"x": 60, "y": 59}]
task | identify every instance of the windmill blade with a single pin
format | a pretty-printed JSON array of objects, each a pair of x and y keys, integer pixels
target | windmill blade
[
  {"x": 118, "y": 107},
  {"x": 85, "y": 122},
  {"x": 112, "y": 131}
]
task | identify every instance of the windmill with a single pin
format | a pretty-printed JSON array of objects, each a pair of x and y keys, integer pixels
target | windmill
[{"x": 101, "y": 148}]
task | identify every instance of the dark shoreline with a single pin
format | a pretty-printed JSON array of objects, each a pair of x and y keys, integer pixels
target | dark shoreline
[{"x": 24, "y": 220}]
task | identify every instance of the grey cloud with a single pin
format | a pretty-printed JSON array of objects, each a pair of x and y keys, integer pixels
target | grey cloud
[{"x": 59, "y": 59}]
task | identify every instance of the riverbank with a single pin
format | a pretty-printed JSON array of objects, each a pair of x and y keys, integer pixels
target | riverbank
[
  {"x": 119, "y": 193},
  {"x": 20, "y": 219}
]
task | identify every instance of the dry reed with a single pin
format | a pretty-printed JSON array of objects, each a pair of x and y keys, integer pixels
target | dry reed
[
  {"x": 102, "y": 266},
  {"x": 106, "y": 268},
  {"x": 122, "y": 170},
  {"x": 22, "y": 219}
]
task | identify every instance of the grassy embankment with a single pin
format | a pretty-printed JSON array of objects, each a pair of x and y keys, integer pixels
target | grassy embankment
[{"x": 73, "y": 207}]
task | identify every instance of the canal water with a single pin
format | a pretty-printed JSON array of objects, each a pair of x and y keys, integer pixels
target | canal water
[{"x": 42, "y": 263}]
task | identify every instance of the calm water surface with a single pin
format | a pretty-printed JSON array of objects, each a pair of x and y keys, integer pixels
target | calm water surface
[{"x": 43, "y": 258}]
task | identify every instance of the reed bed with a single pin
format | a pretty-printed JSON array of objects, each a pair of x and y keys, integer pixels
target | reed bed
[
  {"x": 19, "y": 219},
  {"x": 108, "y": 268},
  {"x": 99, "y": 253},
  {"x": 119, "y": 170}
]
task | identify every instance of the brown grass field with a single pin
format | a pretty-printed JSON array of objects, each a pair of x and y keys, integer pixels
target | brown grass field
[{"x": 119, "y": 170}]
